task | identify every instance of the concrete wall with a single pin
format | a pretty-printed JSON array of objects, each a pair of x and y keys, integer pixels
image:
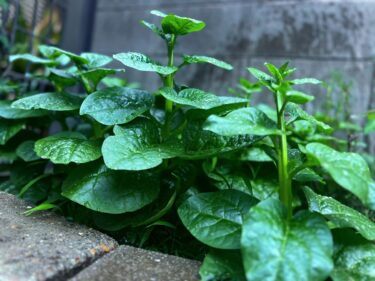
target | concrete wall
[{"x": 317, "y": 36}]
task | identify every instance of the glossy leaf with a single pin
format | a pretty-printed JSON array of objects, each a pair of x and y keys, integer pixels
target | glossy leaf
[
  {"x": 26, "y": 152},
  {"x": 205, "y": 59},
  {"x": 52, "y": 52},
  {"x": 143, "y": 63},
  {"x": 241, "y": 122},
  {"x": 177, "y": 25},
  {"x": 260, "y": 75},
  {"x": 68, "y": 147},
  {"x": 275, "y": 248},
  {"x": 103, "y": 190},
  {"x": 305, "y": 81},
  {"x": 355, "y": 262},
  {"x": 137, "y": 147},
  {"x": 349, "y": 170},
  {"x": 198, "y": 98},
  {"x": 7, "y": 112},
  {"x": 9, "y": 129},
  {"x": 298, "y": 97},
  {"x": 31, "y": 58},
  {"x": 222, "y": 265},
  {"x": 92, "y": 77},
  {"x": 340, "y": 215},
  {"x": 116, "y": 105},
  {"x": 215, "y": 218},
  {"x": 96, "y": 60},
  {"x": 49, "y": 101}
]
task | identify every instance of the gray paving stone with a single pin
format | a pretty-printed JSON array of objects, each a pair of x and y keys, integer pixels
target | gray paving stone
[
  {"x": 44, "y": 246},
  {"x": 133, "y": 264}
]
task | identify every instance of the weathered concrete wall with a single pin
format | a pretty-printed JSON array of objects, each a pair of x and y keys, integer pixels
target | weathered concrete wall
[{"x": 316, "y": 36}]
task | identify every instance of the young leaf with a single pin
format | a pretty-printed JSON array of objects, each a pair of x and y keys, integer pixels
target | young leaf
[
  {"x": 7, "y": 112},
  {"x": 158, "y": 13},
  {"x": 116, "y": 105},
  {"x": 177, "y": 25},
  {"x": 143, "y": 63},
  {"x": 222, "y": 265},
  {"x": 91, "y": 78},
  {"x": 67, "y": 147},
  {"x": 31, "y": 58},
  {"x": 103, "y": 190},
  {"x": 54, "y": 52},
  {"x": 9, "y": 129},
  {"x": 204, "y": 59},
  {"x": 215, "y": 218},
  {"x": 242, "y": 122},
  {"x": 342, "y": 216},
  {"x": 26, "y": 152},
  {"x": 298, "y": 97},
  {"x": 349, "y": 170},
  {"x": 355, "y": 262},
  {"x": 154, "y": 29},
  {"x": 49, "y": 101},
  {"x": 275, "y": 248},
  {"x": 137, "y": 147},
  {"x": 198, "y": 98},
  {"x": 96, "y": 60},
  {"x": 260, "y": 75},
  {"x": 305, "y": 81},
  {"x": 274, "y": 71}
]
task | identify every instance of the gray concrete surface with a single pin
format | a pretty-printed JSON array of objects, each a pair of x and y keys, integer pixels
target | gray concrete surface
[
  {"x": 317, "y": 36},
  {"x": 44, "y": 246},
  {"x": 132, "y": 264}
]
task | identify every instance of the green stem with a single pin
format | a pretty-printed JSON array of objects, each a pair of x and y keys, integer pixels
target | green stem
[
  {"x": 285, "y": 183},
  {"x": 168, "y": 82}
]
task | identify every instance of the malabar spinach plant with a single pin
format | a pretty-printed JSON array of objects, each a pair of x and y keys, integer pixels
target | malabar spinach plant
[{"x": 294, "y": 229}]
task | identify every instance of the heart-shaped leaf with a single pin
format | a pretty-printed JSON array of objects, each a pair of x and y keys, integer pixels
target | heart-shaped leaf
[
  {"x": 342, "y": 216},
  {"x": 67, "y": 147},
  {"x": 205, "y": 59},
  {"x": 49, "y": 101},
  {"x": 103, "y": 190},
  {"x": 349, "y": 170},
  {"x": 275, "y": 248},
  {"x": 143, "y": 63},
  {"x": 137, "y": 147},
  {"x": 242, "y": 122},
  {"x": 116, "y": 105},
  {"x": 215, "y": 218},
  {"x": 177, "y": 25}
]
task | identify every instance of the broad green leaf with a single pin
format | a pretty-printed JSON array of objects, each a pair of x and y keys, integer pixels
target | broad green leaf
[
  {"x": 54, "y": 52},
  {"x": 222, "y": 265},
  {"x": 26, "y": 152},
  {"x": 215, "y": 218},
  {"x": 198, "y": 98},
  {"x": 264, "y": 188},
  {"x": 199, "y": 143},
  {"x": 143, "y": 63},
  {"x": 100, "y": 189},
  {"x": 177, "y": 25},
  {"x": 7, "y": 112},
  {"x": 137, "y": 147},
  {"x": 298, "y": 97},
  {"x": 342, "y": 216},
  {"x": 275, "y": 248},
  {"x": 8, "y": 129},
  {"x": 255, "y": 154},
  {"x": 91, "y": 78},
  {"x": 349, "y": 170},
  {"x": 304, "y": 128},
  {"x": 205, "y": 59},
  {"x": 116, "y": 105},
  {"x": 61, "y": 78},
  {"x": 295, "y": 112},
  {"x": 96, "y": 60},
  {"x": 355, "y": 263},
  {"x": 308, "y": 175},
  {"x": 305, "y": 81},
  {"x": 260, "y": 75},
  {"x": 31, "y": 58},
  {"x": 242, "y": 122},
  {"x": 49, "y": 101},
  {"x": 154, "y": 29},
  {"x": 68, "y": 147}
]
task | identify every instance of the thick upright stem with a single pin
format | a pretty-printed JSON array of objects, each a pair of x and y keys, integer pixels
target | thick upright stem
[
  {"x": 285, "y": 183},
  {"x": 168, "y": 82}
]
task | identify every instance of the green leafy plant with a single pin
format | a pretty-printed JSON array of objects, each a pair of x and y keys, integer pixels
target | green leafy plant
[{"x": 188, "y": 172}]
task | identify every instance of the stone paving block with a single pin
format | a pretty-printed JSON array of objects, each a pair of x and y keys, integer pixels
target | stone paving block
[
  {"x": 44, "y": 246},
  {"x": 133, "y": 264}
]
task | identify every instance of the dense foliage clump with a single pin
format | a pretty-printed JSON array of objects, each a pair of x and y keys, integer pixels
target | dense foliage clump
[{"x": 257, "y": 190}]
